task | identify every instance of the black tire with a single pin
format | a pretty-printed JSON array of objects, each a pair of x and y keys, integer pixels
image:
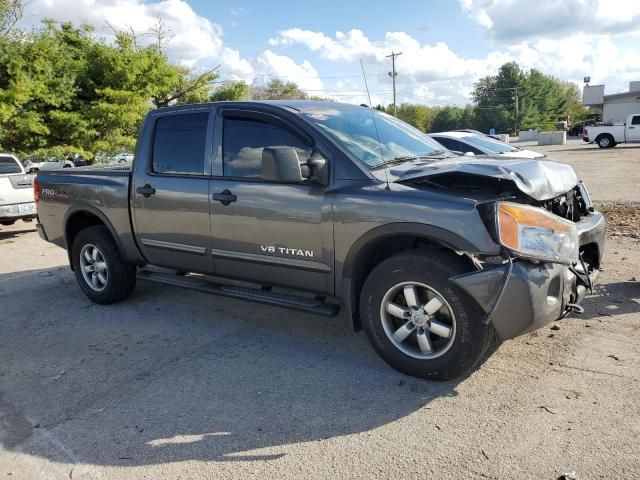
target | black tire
[
  {"x": 472, "y": 341},
  {"x": 605, "y": 141},
  {"x": 121, "y": 277}
]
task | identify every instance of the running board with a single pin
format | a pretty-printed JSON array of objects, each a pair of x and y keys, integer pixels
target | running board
[{"x": 293, "y": 302}]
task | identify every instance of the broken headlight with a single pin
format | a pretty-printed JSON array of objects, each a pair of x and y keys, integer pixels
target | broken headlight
[{"x": 535, "y": 233}]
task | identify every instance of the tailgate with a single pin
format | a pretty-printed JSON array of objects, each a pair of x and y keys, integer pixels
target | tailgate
[{"x": 16, "y": 189}]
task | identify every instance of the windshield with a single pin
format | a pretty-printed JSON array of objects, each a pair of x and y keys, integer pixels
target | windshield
[
  {"x": 9, "y": 165},
  {"x": 489, "y": 144},
  {"x": 355, "y": 129}
]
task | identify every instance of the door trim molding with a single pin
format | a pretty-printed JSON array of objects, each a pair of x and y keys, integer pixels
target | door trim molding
[
  {"x": 179, "y": 247},
  {"x": 272, "y": 260}
]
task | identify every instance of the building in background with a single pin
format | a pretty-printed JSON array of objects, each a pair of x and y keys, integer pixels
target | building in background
[{"x": 615, "y": 108}]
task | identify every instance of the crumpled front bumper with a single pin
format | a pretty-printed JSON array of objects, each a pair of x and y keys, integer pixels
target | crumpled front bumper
[{"x": 524, "y": 295}]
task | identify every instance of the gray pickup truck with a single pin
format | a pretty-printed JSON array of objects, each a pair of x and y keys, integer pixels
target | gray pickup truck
[{"x": 313, "y": 206}]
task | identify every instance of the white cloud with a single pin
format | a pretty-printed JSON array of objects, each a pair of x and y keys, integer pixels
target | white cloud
[
  {"x": 192, "y": 38},
  {"x": 435, "y": 73},
  {"x": 271, "y": 65},
  {"x": 565, "y": 38},
  {"x": 509, "y": 20},
  {"x": 426, "y": 72}
]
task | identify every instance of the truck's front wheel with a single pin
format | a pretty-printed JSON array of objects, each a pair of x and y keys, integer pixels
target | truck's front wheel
[
  {"x": 420, "y": 323},
  {"x": 101, "y": 272}
]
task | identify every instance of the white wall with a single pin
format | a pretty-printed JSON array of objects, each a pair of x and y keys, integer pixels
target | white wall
[
  {"x": 619, "y": 111},
  {"x": 527, "y": 135},
  {"x": 552, "y": 138}
]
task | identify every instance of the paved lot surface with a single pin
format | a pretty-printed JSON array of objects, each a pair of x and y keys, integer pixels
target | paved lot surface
[
  {"x": 176, "y": 384},
  {"x": 612, "y": 174}
]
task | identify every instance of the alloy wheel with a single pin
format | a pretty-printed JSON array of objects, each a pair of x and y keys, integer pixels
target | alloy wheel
[
  {"x": 418, "y": 320},
  {"x": 95, "y": 270}
]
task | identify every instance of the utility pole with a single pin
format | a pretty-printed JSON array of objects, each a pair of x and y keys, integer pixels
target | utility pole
[
  {"x": 515, "y": 116},
  {"x": 393, "y": 75}
]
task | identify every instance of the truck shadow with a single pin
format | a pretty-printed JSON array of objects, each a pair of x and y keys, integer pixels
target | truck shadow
[
  {"x": 613, "y": 299},
  {"x": 9, "y": 234},
  {"x": 173, "y": 375}
]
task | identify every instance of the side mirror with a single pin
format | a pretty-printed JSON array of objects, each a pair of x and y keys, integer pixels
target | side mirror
[
  {"x": 281, "y": 164},
  {"x": 469, "y": 154}
]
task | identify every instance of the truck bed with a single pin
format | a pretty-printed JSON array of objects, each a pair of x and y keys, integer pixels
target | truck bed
[{"x": 102, "y": 191}]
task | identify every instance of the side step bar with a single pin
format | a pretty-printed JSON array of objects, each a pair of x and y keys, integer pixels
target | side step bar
[{"x": 294, "y": 302}]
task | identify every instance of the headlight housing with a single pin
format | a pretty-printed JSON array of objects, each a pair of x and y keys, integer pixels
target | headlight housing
[{"x": 535, "y": 233}]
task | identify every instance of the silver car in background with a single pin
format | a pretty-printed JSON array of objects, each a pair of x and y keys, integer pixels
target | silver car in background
[{"x": 472, "y": 143}]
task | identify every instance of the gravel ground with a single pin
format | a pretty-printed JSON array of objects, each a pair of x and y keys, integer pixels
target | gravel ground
[{"x": 181, "y": 385}]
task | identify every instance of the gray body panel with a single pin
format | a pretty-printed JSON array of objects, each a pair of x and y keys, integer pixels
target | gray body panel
[
  {"x": 101, "y": 192},
  {"x": 311, "y": 237}
]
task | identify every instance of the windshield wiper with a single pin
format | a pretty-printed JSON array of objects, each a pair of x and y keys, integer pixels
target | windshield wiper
[{"x": 408, "y": 158}]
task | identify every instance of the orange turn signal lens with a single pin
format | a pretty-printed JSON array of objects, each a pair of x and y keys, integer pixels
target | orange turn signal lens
[{"x": 534, "y": 232}]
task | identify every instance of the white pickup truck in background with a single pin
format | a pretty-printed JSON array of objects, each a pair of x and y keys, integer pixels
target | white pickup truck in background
[
  {"x": 16, "y": 191},
  {"x": 609, "y": 136}
]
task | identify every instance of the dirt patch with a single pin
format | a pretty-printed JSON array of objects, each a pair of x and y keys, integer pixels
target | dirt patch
[{"x": 623, "y": 218}]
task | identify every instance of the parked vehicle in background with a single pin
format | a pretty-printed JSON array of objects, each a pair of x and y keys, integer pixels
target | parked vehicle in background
[
  {"x": 122, "y": 158},
  {"x": 576, "y": 130},
  {"x": 608, "y": 136},
  {"x": 438, "y": 257},
  {"x": 33, "y": 166},
  {"x": 16, "y": 191},
  {"x": 78, "y": 161},
  {"x": 470, "y": 143},
  {"x": 477, "y": 132}
]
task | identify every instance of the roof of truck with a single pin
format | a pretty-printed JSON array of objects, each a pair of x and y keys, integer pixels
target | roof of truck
[{"x": 291, "y": 104}]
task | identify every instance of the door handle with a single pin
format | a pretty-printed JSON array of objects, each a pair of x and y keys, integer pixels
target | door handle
[
  {"x": 225, "y": 197},
  {"x": 631, "y": 128},
  {"x": 146, "y": 191}
]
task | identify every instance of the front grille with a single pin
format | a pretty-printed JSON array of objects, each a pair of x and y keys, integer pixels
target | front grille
[{"x": 572, "y": 205}]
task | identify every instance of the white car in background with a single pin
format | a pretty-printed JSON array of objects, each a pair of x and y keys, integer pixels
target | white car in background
[
  {"x": 122, "y": 158},
  {"x": 471, "y": 143},
  {"x": 16, "y": 191},
  {"x": 53, "y": 164}
]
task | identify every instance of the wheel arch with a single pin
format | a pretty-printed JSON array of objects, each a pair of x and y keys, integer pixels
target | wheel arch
[
  {"x": 384, "y": 241},
  {"x": 83, "y": 217}
]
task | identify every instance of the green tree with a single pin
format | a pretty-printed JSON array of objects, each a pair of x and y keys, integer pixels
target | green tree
[
  {"x": 542, "y": 100},
  {"x": 276, "y": 89},
  {"x": 231, "y": 91},
  {"x": 420, "y": 116},
  {"x": 62, "y": 89},
  {"x": 453, "y": 118}
]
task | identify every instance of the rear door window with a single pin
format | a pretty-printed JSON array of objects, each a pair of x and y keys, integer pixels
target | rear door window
[
  {"x": 179, "y": 144},
  {"x": 9, "y": 165},
  {"x": 635, "y": 120}
]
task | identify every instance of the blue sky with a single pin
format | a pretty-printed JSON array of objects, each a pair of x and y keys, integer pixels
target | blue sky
[
  {"x": 436, "y": 20},
  {"x": 447, "y": 44}
]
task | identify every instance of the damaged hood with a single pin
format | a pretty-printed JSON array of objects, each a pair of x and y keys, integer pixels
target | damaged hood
[{"x": 539, "y": 179}]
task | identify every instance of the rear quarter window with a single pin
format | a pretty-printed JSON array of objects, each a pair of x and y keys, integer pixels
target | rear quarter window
[
  {"x": 179, "y": 143},
  {"x": 9, "y": 165}
]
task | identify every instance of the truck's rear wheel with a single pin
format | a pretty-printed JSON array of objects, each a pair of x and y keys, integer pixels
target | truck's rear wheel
[
  {"x": 605, "y": 141},
  {"x": 101, "y": 272},
  {"x": 420, "y": 323}
]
